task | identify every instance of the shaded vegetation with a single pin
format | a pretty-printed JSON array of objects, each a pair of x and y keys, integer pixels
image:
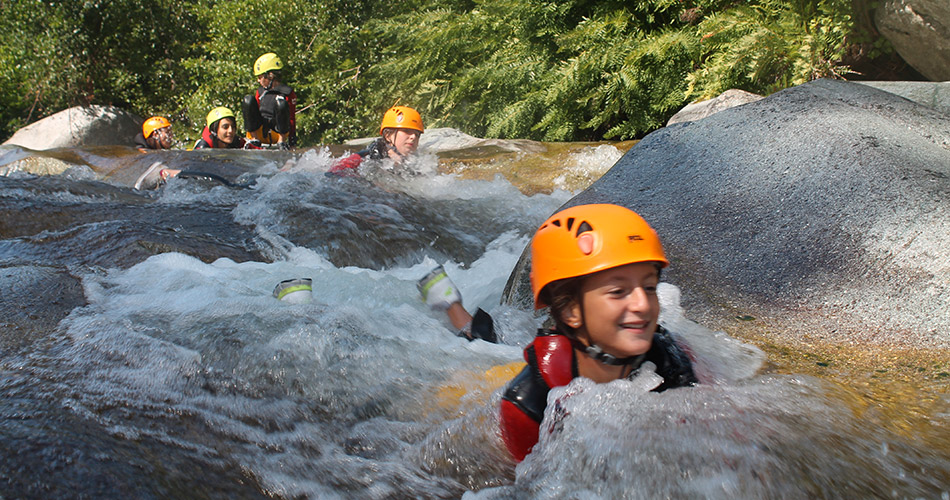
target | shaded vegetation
[{"x": 549, "y": 70}]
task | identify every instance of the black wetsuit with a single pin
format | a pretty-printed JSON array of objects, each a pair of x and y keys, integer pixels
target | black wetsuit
[
  {"x": 271, "y": 109},
  {"x": 142, "y": 143},
  {"x": 552, "y": 362},
  {"x": 376, "y": 150}
]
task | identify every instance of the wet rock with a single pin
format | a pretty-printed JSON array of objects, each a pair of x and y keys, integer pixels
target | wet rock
[
  {"x": 80, "y": 126},
  {"x": 918, "y": 30},
  {"x": 822, "y": 210},
  {"x": 35, "y": 299},
  {"x": 699, "y": 110}
]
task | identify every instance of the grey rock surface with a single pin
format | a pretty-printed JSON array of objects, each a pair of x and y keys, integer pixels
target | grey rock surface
[
  {"x": 822, "y": 211},
  {"x": 699, "y": 110},
  {"x": 919, "y": 30},
  {"x": 934, "y": 95},
  {"x": 80, "y": 126}
]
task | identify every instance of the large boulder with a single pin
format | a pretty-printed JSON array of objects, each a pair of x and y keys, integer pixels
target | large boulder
[
  {"x": 80, "y": 126},
  {"x": 919, "y": 30},
  {"x": 821, "y": 211}
]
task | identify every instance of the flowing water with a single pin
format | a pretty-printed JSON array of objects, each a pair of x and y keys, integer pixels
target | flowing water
[{"x": 144, "y": 355}]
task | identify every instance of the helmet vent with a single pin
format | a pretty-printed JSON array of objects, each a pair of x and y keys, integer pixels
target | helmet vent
[
  {"x": 583, "y": 228},
  {"x": 570, "y": 223}
]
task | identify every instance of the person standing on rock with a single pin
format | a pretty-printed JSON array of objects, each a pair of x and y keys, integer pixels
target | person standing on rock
[
  {"x": 399, "y": 138},
  {"x": 270, "y": 113},
  {"x": 156, "y": 134}
]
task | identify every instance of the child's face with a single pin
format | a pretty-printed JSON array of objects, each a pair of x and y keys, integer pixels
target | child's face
[
  {"x": 619, "y": 309},
  {"x": 226, "y": 130},
  {"x": 164, "y": 137},
  {"x": 265, "y": 80},
  {"x": 406, "y": 141}
]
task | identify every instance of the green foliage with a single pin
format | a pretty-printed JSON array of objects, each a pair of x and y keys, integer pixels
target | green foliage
[
  {"x": 772, "y": 45},
  {"x": 541, "y": 69}
]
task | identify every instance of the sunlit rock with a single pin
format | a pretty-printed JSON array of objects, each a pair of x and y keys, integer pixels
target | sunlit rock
[
  {"x": 80, "y": 126},
  {"x": 822, "y": 211},
  {"x": 919, "y": 30},
  {"x": 699, "y": 110},
  {"x": 934, "y": 95}
]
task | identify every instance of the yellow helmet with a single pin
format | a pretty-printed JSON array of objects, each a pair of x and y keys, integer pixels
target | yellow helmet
[
  {"x": 267, "y": 62},
  {"x": 401, "y": 117},
  {"x": 154, "y": 123},
  {"x": 586, "y": 239},
  {"x": 217, "y": 114}
]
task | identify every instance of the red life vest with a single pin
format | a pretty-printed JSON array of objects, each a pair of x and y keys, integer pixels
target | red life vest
[
  {"x": 209, "y": 142},
  {"x": 551, "y": 364},
  {"x": 522, "y": 408}
]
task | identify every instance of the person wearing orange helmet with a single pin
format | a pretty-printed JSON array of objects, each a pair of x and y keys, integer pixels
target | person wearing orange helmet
[
  {"x": 399, "y": 138},
  {"x": 597, "y": 268},
  {"x": 156, "y": 134},
  {"x": 270, "y": 113}
]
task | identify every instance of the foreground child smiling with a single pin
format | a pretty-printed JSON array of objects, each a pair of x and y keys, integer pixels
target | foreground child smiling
[{"x": 597, "y": 267}]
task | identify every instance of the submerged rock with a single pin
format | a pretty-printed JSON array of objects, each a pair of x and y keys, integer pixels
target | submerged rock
[
  {"x": 822, "y": 211},
  {"x": 36, "y": 298}
]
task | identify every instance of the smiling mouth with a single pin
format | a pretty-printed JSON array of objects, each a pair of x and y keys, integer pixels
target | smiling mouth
[{"x": 635, "y": 326}]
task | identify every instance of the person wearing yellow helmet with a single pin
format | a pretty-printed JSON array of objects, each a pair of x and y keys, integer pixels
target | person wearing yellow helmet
[
  {"x": 399, "y": 138},
  {"x": 156, "y": 134},
  {"x": 221, "y": 131},
  {"x": 270, "y": 113}
]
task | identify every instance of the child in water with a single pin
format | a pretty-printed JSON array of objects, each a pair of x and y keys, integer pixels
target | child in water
[
  {"x": 399, "y": 137},
  {"x": 221, "y": 131},
  {"x": 156, "y": 134},
  {"x": 597, "y": 267}
]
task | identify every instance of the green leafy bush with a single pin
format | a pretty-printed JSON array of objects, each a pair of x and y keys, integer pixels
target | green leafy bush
[{"x": 549, "y": 70}]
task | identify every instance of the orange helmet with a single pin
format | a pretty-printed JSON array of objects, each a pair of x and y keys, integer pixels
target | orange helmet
[
  {"x": 401, "y": 117},
  {"x": 589, "y": 238},
  {"x": 154, "y": 123}
]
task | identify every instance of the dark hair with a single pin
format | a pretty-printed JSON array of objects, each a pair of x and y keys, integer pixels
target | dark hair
[{"x": 560, "y": 295}]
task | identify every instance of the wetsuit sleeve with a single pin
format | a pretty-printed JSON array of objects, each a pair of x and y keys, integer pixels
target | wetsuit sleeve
[
  {"x": 292, "y": 106},
  {"x": 521, "y": 411},
  {"x": 346, "y": 166},
  {"x": 483, "y": 327},
  {"x": 201, "y": 144},
  {"x": 141, "y": 143},
  {"x": 671, "y": 362}
]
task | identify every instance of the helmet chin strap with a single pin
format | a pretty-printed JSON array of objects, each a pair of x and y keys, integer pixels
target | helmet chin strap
[{"x": 596, "y": 353}]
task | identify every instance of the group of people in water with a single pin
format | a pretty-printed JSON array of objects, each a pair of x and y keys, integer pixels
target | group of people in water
[
  {"x": 269, "y": 117},
  {"x": 595, "y": 267},
  {"x": 270, "y": 120}
]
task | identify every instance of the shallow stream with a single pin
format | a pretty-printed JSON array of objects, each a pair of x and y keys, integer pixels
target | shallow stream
[{"x": 142, "y": 353}]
